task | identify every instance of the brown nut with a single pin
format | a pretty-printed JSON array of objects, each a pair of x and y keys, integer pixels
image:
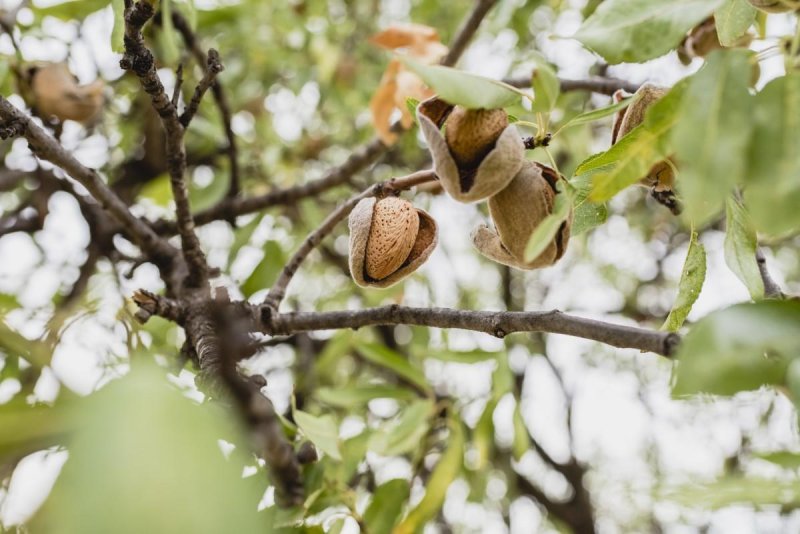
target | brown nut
[
  {"x": 774, "y": 6},
  {"x": 480, "y": 152},
  {"x": 389, "y": 239},
  {"x": 57, "y": 94},
  {"x": 516, "y": 212},
  {"x": 662, "y": 175}
]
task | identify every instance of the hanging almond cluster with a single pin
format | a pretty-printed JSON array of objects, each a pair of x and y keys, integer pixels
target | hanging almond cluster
[{"x": 56, "y": 93}]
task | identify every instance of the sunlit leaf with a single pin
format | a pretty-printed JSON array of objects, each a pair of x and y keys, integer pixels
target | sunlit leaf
[
  {"x": 322, "y": 431},
  {"x": 786, "y": 459},
  {"x": 740, "y": 248},
  {"x": 386, "y": 357},
  {"x": 118, "y": 31},
  {"x": 465, "y": 89},
  {"x": 586, "y": 214},
  {"x": 732, "y": 19},
  {"x": 633, "y": 31},
  {"x": 406, "y": 433},
  {"x": 692, "y": 277},
  {"x": 387, "y": 504},
  {"x": 522, "y": 439},
  {"x": 736, "y": 490},
  {"x": 483, "y": 436},
  {"x": 267, "y": 270},
  {"x": 546, "y": 86}
]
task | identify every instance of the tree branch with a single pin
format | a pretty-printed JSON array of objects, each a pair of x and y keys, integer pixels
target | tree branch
[
  {"x": 604, "y": 86},
  {"x": 213, "y": 67},
  {"x": 278, "y": 290},
  {"x": 495, "y": 323},
  {"x": 46, "y": 147},
  {"x": 139, "y": 59},
  {"x": 771, "y": 288},
  {"x": 467, "y": 30}
]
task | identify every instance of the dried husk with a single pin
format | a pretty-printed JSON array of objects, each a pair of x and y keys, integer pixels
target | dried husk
[
  {"x": 516, "y": 212},
  {"x": 360, "y": 223},
  {"x": 495, "y": 171},
  {"x": 57, "y": 94}
]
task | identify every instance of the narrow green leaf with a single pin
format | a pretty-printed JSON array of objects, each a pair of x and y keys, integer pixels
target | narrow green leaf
[
  {"x": 483, "y": 436},
  {"x": 411, "y": 106},
  {"x": 386, "y": 506},
  {"x": 522, "y": 440},
  {"x": 633, "y": 31},
  {"x": 322, "y": 431},
  {"x": 168, "y": 37},
  {"x": 70, "y": 10},
  {"x": 712, "y": 135},
  {"x": 772, "y": 191},
  {"x": 586, "y": 214},
  {"x": 632, "y": 157},
  {"x": 740, "y": 248},
  {"x": 118, "y": 31},
  {"x": 730, "y": 490},
  {"x": 733, "y": 18},
  {"x": 446, "y": 470},
  {"x": 546, "y": 86},
  {"x": 690, "y": 285},
  {"x": 406, "y": 433},
  {"x": 740, "y": 348},
  {"x": 386, "y": 357},
  {"x": 472, "y": 356},
  {"x": 597, "y": 114},
  {"x": 355, "y": 396},
  {"x": 547, "y": 229},
  {"x": 465, "y": 89},
  {"x": 266, "y": 272},
  {"x": 786, "y": 459}
]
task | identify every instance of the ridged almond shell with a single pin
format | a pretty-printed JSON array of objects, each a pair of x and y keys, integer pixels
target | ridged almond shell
[{"x": 392, "y": 234}]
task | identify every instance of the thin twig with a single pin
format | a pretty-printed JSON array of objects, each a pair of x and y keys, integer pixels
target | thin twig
[
  {"x": 139, "y": 59},
  {"x": 467, "y": 30},
  {"x": 213, "y": 67},
  {"x": 604, "y": 86},
  {"x": 498, "y": 324},
  {"x": 278, "y": 289},
  {"x": 176, "y": 91}
]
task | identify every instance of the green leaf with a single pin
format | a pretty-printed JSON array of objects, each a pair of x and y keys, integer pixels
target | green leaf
[
  {"x": 411, "y": 106},
  {"x": 502, "y": 378},
  {"x": 546, "y": 86},
  {"x": 465, "y": 89},
  {"x": 547, "y": 229},
  {"x": 586, "y": 214},
  {"x": 633, "y": 31},
  {"x": 266, "y": 272},
  {"x": 472, "y": 356},
  {"x": 445, "y": 472},
  {"x": 483, "y": 436},
  {"x": 168, "y": 37},
  {"x": 27, "y": 429},
  {"x": 772, "y": 191},
  {"x": 690, "y": 285},
  {"x": 740, "y": 248},
  {"x": 386, "y": 357},
  {"x": 597, "y": 114},
  {"x": 355, "y": 396},
  {"x": 71, "y": 10},
  {"x": 322, "y": 431},
  {"x": 730, "y": 490},
  {"x": 632, "y": 157},
  {"x": 740, "y": 348},
  {"x": 522, "y": 439},
  {"x": 733, "y": 18},
  {"x": 786, "y": 459},
  {"x": 387, "y": 504},
  {"x": 712, "y": 135},
  {"x": 118, "y": 31},
  {"x": 140, "y": 452},
  {"x": 406, "y": 433}
]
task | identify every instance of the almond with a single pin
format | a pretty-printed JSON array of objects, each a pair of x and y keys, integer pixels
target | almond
[
  {"x": 394, "y": 228},
  {"x": 472, "y": 133}
]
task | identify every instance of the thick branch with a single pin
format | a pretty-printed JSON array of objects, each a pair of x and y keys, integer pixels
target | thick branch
[
  {"x": 139, "y": 59},
  {"x": 498, "y": 324},
  {"x": 46, "y": 147},
  {"x": 278, "y": 290}
]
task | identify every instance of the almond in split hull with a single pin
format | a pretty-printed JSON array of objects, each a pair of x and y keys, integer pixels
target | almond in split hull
[{"x": 395, "y": 224}]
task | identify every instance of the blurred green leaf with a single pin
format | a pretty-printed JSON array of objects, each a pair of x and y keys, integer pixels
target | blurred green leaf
[
  {"x": 597, "y": 114},
  {"x": 266, "y": 272},
  {"x": 70, "y": 10},
  {"x": 140, "y": 452},
  {"x": 483, "y": 436},
  {"x": 546, "y": 86},
  {"x": 27, "y": 429},
  {"x": 547, "y": 229},
  {"x": 712, "y": 134},
  {"x": 322, "y": 431},
  {"x": 772, "y": 191},
  {"x": 692, "y": 277},
  {"x": 786, "y": 459},
  {"x": 386, "y": 357},
  {"x": 354, "y": 396},
  {"x": 732, "y": 19},
  {"x": 736, "y": 490},
  {"x": 740, "y": 348},
  {"x": 632, "y": 31},
  {"x": 740, "y": 248},
  {"x": 465, "y": 89},
  {"x": 167, "y": 36},
  {"x": 406, "y": 433},
  {"x": 522, "y": 439},
  {"x": 446, "y": 470},
  {"x": 117, "y": 33},
  {"x": 386, "y": 506}
]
